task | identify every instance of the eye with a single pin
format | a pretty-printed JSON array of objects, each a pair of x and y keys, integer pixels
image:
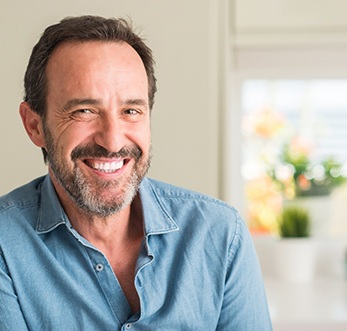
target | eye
[
  {"x": 82, "y": 114},
  {"x": 83, "y": 111},
  {"x": 131, "y": 111}
]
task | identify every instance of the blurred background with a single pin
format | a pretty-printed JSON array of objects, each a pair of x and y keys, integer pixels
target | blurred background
[{"x": 251, "y": 108}]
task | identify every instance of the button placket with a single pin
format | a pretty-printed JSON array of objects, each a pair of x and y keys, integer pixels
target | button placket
[{"x": 110, "y": 285}]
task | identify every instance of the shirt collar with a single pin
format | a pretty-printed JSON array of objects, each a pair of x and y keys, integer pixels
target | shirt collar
[
  {"x": 156, "y": 218},
  {"x": 51, "y": 214}
]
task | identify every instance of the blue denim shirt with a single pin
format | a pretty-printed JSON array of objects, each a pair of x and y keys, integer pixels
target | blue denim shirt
[{"x": 197, "y": 269}]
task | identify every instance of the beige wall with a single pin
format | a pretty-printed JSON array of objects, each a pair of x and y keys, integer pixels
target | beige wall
[
  {"x": 187, "y": 40},
  {"x": 278, "y": 23}
]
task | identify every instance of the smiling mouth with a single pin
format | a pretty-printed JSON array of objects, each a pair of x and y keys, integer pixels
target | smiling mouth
[{"x": 107, "y": 167}]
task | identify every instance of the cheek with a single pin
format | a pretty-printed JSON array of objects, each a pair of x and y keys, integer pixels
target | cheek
[
  {"x": 76, "y": 133},
  {"x": 143, "y": 138},
  {"x": 69, "y": 139}
]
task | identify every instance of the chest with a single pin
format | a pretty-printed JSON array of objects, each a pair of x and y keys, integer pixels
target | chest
[
  {"x": 176, "y": 292},
  {"x": 123, "y": 264}
]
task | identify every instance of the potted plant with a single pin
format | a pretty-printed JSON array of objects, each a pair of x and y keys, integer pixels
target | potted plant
[
  {"x": 308, "y": 183},
  {"x": 294, "y": 222},
  {"x": 295, "y": 256}
]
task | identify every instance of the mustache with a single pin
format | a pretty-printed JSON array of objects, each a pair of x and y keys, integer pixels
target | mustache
[{"x": 96, "y": 151}]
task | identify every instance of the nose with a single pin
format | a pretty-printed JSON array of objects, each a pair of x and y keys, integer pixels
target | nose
[{"x": 111, "y": 132}]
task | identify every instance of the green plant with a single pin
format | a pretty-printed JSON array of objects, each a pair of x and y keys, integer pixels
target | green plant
[{"x": 294, "y": 222}]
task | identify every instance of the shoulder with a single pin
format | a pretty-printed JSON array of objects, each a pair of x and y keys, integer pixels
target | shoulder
[
  {"x": 183, "y": 204},
  {"x": 14, "y": 203},
  {"x": 204, "y": 221},
  {"x": 22, "y": 196},
  {"x": 172, "y": 192}
]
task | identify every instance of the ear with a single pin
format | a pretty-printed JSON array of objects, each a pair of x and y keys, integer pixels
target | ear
[{"x": 32, "y": 122}]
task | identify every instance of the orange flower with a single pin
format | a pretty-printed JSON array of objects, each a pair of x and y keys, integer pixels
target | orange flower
[
  {"x": 268, "y": 123},
  {"x": 303, "y": 183},
  {"x": 299, "y": 149}
]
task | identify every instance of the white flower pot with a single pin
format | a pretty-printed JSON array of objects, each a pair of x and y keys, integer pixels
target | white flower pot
[{"x": 295, "y": 259}]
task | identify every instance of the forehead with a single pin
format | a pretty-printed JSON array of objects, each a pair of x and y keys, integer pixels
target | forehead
[
  {"x": 93, "y": 64},
  {"x": 92, "y": 55}
]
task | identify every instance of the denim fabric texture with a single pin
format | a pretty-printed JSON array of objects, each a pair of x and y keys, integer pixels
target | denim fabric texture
[{"x": 197, "y": 269}]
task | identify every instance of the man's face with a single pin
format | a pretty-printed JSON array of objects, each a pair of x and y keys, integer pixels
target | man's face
[{"x": 97, "y": 127}]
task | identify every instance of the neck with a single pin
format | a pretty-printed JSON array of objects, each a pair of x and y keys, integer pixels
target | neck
[{"x": 124, "y": 226}]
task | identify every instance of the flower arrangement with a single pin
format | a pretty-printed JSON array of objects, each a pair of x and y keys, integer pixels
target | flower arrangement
[
  {"x": 279, "y": 166},
  {"x": 297, "y": 175}
]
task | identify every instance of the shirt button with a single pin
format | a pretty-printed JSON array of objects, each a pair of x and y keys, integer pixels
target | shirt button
[
  {"x": 128, "y": 326},
  {"x": 99, "y": 267}
]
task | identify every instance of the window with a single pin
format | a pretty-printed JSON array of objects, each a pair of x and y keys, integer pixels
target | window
[{"x": 308, "y": 118}]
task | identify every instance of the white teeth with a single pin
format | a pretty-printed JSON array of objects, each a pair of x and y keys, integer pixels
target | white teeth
[{"x": 107, "y": 166}]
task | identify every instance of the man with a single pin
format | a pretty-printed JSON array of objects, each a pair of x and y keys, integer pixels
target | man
[{"x": 95, "y": 245}]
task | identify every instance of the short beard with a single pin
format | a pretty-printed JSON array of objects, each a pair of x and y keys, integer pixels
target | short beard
[
  {"x": 79, "y": 188},
  {"x": 94, "y": 204}
]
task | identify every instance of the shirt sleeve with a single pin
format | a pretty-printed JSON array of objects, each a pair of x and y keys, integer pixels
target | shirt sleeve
[
  {"x": 11, "y": 316},
  {"x": 244, "y": 305}
]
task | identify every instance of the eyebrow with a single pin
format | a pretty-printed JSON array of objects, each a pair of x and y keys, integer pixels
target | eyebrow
[{"x": 137, "y": 102}]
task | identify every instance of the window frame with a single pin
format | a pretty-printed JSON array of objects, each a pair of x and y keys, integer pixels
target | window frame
[{"x": 311, "y": 62}]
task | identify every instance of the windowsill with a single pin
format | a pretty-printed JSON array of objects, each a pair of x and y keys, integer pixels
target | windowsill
[{"x": 319, "y": 303}]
